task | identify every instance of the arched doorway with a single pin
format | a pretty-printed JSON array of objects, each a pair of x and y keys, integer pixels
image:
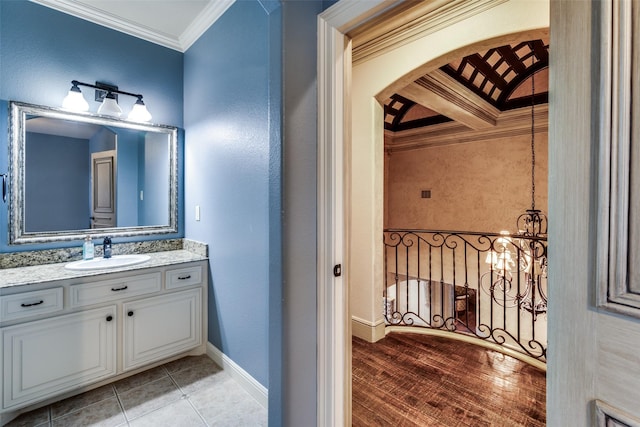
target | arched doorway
[{"x": 473, "y": 132}]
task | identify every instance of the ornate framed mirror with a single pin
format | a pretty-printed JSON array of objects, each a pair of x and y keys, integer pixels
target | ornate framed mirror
[{"x": 77, "y": 174}]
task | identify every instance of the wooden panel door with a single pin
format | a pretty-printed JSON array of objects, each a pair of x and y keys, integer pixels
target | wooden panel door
[
  {"x": 103, "y": 189},
  {"x": 594, "y": 132}
]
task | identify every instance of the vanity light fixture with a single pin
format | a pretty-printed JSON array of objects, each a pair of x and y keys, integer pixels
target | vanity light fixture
[{"x": 74, "y": 101}]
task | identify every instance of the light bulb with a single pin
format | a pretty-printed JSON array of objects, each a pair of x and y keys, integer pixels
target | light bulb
[
  {"x": 74, "y": 100},
  {"x": 139, "y": 112},
  {"x": 109, "y": 106}
]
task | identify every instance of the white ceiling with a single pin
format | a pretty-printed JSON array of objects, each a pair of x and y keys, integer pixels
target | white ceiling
[
  {"x": 175, "y": 24},
  {"x": 69, "y": 129}
]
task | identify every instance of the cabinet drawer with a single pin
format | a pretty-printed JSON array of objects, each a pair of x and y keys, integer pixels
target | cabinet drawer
[
  {"x": 111, "y": 290},
  {"x": 184, "y": 277},
  {"x": 29, "y": 304}
]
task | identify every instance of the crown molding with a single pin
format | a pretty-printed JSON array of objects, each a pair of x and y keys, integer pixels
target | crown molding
[
  {"x": 410, "y": 21},
  {"x": 209, "y": 15},
  {"x": 510, "y": 124}
]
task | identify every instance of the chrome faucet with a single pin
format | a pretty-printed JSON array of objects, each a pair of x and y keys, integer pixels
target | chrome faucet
[{"x": 106, "y": 247}]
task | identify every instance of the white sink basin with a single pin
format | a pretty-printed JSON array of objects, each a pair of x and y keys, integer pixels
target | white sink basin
[{"x": 105, "y": 263}]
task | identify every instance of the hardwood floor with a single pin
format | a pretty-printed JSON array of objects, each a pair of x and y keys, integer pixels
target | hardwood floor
[{"x": 421, "y": 380}]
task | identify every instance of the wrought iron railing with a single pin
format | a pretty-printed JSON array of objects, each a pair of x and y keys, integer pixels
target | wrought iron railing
[{"x": 488, "y": 285}]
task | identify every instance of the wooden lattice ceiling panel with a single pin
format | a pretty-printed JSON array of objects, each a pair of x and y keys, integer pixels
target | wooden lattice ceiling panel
[{"x": 499, "y": 76}]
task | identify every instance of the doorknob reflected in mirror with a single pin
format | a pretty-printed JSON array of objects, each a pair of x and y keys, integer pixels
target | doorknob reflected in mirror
[{"x": 4, "y": 187}]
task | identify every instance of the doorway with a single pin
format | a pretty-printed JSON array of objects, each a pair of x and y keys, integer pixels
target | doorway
[
  {"x": 103, "y": 189},
  {"x": 336, "y": 122}
]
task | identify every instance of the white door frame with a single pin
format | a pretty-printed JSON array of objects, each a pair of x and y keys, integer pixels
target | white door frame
[{"x": 334, "y": 129}]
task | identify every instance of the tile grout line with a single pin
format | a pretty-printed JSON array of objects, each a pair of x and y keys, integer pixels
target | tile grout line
[
  {"x": 197, "y": 412},
  {"x": 184, "y": 395},
  {"x": 115, "y": 390},
  {"x": 83, "y": 408},
  {"x": 50, "y": 407},
  {"x": 187, "y": 397},
  {"x": 128, "y": 420}
]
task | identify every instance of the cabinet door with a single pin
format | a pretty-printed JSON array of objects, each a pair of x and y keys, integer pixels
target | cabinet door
[
  {"x": 162, "y": 326},
  {"x": 50, "y": 356}
]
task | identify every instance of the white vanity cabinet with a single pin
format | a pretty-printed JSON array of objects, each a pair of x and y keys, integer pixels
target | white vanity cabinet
[{"x": 89, "y": 331}]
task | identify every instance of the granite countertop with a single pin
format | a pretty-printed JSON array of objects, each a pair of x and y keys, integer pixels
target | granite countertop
[{"x": 49, "y": 272}]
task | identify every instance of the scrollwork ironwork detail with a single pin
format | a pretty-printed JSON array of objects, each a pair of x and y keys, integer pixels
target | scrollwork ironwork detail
[{"x": 487, "y": 285}]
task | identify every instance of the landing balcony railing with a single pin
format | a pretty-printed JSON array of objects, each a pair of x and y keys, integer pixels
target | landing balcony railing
[{"x": 491, "y": 286}]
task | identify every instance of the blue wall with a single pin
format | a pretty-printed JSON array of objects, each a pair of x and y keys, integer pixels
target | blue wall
[
  {"x": 154, "y": 180},
  {"x": 42, "y": 50},
  {"x": 227, "y": 110},
  {"x": 129, "y": 145},
  {"x": 57, "y": 180}
]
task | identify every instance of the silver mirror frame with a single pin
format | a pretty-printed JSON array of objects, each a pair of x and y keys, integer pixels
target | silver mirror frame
[{"x": 18, "y": 112}]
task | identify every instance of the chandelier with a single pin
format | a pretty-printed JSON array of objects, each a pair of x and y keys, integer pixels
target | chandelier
[{"x": 518, "y": 263}]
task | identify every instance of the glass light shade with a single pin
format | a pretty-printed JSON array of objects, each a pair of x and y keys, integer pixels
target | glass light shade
[
  {"x": 492, "y": 258},
  {"x": 74, "y": 100},
  {"x": 505, "y": 262},
  {"x": 139, "y": 112},
  {"x": 501, "y": 260},
  {"x": 110, "y": 107}
]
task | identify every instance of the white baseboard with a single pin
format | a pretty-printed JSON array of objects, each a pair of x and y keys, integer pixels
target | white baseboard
[
  {"x": 367, "y": 330},
  {"x": 246, "y": 381}
]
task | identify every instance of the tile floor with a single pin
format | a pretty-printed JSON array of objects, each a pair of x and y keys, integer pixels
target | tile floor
[{"x": 192, "y": 391}]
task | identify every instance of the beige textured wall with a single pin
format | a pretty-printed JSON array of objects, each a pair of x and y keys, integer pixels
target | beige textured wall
[{"x": 477, "y": 186}]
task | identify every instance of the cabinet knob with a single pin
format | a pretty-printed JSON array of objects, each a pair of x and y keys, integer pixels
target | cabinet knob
[
  {"x": 109, "y": 318},
  {"x": 130, "y": 313}
]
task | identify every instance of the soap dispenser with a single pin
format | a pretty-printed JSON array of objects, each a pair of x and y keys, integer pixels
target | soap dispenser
[
  {"x": 87, "y": 248},
  {"x": 106, "y": 247}
]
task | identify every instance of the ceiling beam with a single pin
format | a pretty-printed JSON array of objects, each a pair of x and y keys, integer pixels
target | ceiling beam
[
  {"x": 510, "y": 124},
  {"x": 443, "y": 94}
]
